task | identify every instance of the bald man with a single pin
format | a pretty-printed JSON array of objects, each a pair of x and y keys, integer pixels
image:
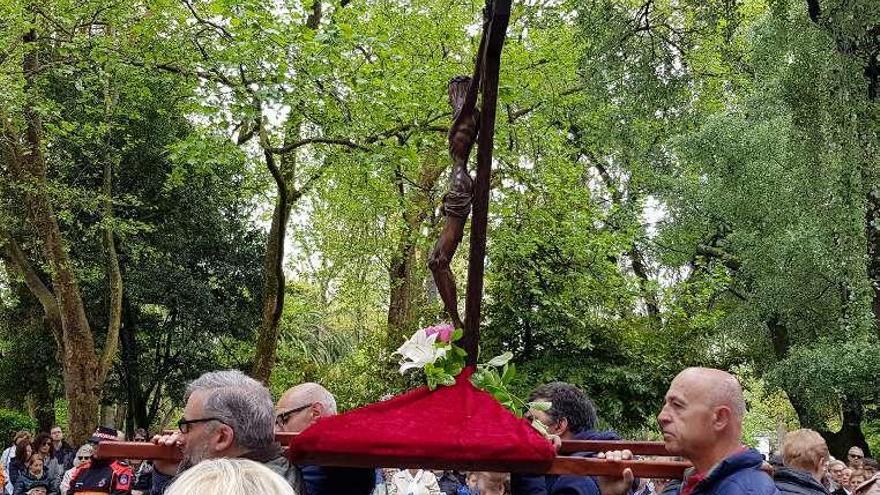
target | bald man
[
  {"x": 701, "y": 420},
  {"x": 301, "y": 406},
  {"x": 297, "y": 409}
]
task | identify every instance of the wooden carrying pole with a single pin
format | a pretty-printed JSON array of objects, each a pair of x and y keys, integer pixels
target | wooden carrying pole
[{"x": 562, "y": 464}]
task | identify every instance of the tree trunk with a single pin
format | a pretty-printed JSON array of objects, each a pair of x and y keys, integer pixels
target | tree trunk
[
  {"x": 273, "y": 289},
  {"x": 401, "y": 281},
  {"x": 850, "y": 432},
  {"x": 83, "y": 372},
  {"x": 136, "y": 412}
]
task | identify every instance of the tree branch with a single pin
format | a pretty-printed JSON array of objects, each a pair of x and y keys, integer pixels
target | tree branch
[
  {"x": 17, "y": 260},
  {"x": 218, "y": 28},
  {"x": 114, "y": 274}
]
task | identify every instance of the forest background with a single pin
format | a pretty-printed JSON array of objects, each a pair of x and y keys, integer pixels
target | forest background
[{"x": 190, "y": 185}]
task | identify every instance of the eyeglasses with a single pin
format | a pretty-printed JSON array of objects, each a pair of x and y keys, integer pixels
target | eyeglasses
[
  {"x": 184, "y": 424},
  {"x": 282, "y": 418}
]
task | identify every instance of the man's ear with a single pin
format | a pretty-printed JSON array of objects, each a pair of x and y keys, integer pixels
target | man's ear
[
  {"x": 316, "y": 410},
  {"x": 562, "y": 425},
  {"x": 223, "y": 438},
  {"x": 722, "y": 418}
]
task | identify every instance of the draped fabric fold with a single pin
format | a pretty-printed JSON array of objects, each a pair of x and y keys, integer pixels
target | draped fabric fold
[{"x": 453, "y": 427}]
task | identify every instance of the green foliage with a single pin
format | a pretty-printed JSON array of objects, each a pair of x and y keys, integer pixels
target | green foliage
[{"x": 12, "y": 421}]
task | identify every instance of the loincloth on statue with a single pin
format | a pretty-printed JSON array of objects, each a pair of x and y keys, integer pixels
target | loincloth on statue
[{"x": 457, "y": 204}]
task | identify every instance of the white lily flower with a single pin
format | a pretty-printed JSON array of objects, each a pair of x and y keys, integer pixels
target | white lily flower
[{"x": 419, "y": 351}]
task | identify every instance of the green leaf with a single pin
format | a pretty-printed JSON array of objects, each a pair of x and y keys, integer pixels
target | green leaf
[
  {"x": 501, "y": 360},
  {"x": 508, "y": 374},
  {"x": 540, "y": 405}
]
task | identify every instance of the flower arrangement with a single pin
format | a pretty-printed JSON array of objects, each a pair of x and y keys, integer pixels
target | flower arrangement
[{"x": 433, "y": 349}]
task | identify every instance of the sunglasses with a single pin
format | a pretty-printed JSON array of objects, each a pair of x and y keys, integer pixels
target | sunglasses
[
  {"x": 855, "y": 456},
  {"x": 282, "y": 418},
  {"x": 84, "y": 458}
]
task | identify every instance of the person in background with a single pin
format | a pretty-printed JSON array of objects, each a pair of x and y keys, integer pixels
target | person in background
[
  {"x": 226, "y": 476},
  {"x": 35, "y": 474},
  {"x": 856, "y": 479},
  {"x": 413, "y": 482},
  {"x": 44, "y": 447},
  {"x": 572, "y": 416},
  {"x": 471, "y": 482},
  {"x": 493, "y": 483},
  {"x": 805, "y": 461},
  {"x": 38, "y": 488},
  {"x": 18, "y": 463},
  {"x": 297, "y": 409},
  {"x": 855, "y": 458},
  {"x": 62, "y": 451},
  {"x": 8, "y": 455},
  {"x": 869, "y": 487},
  {"x": 844, "y": 487},
  {"x": 856, "y": 461},
  {"x": 449, "y": 482},
  {"x": 143, "y": 470},
  {"x": 82, "y": 455},
  {"x": 835, "y": 473},
  {"x": 871, "y": 467},
  {"x": 95, "y": 476}
]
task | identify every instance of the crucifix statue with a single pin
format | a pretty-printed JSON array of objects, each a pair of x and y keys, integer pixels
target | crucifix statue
[
  {"x": 470, "y": 126},
  {"x": 457, "y": 201}
]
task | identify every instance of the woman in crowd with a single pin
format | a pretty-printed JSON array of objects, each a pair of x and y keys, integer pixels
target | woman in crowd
[
  {"x": 18, "y": 463},
  {"x": 9, "y": 454},
  {"x": 44, "y": 447},
  {"x": 33, "y": 475},
  {"x": 493, "y": 483},
  {"x": 82, "y": 455}
]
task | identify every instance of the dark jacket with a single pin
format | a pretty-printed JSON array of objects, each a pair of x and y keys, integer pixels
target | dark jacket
[
  {"x": 739, "y": 474},
  {"x": 449, "y": 483},
  {"x": 64, "y": 455},
  {"x": 16, "y": 470},
  {"x": 25, "y": 482},
  {"x": 565, "y": 484},
  {"x": 794, "y": 482},
  {"x": 327, "y": 480}
]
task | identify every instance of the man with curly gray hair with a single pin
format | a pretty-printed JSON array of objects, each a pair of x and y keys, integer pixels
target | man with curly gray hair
[{"x": 227, "y": 415}]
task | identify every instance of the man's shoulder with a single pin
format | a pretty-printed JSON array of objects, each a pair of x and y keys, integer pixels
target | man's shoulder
[{"x": 749, "y": 481}]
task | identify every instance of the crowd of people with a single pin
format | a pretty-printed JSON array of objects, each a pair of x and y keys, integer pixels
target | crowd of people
[{"x": 227, "y": 441}]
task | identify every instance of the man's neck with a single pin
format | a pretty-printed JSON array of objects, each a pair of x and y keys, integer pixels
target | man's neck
[
  {"x": 57, "y": 444},
  {"x": 709, "y": 457}
]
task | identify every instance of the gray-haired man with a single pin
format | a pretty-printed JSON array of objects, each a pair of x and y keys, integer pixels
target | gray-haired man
[{"x": 227, "y": 414}]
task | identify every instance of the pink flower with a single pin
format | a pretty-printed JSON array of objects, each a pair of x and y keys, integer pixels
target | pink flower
[{"x": 444, "y": 331}]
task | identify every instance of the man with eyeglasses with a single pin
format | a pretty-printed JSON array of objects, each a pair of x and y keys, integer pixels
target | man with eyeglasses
[
  {"x": 227, "y": 415},
  {"x": 856, "y": 457},
  {"x": 299, "y": 408}
]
